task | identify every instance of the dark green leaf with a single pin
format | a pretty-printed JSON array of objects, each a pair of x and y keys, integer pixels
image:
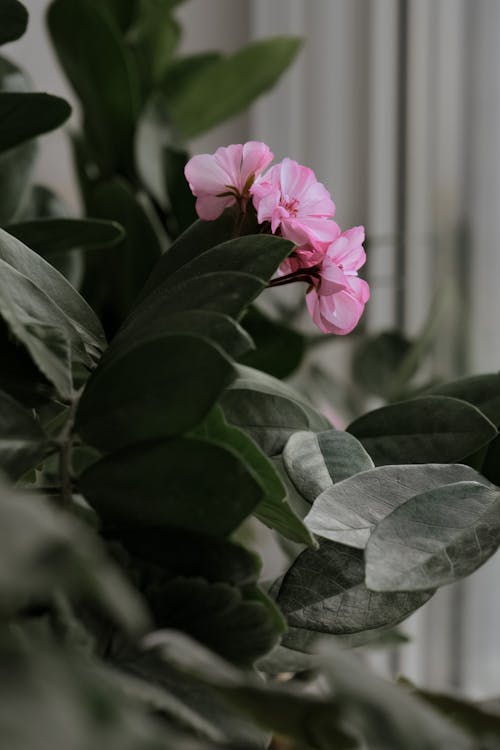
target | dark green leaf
[
  {"x": 244, "y": 265},
  {"x": 19, "y": 375},
  {"x": 457, "y": 528},
  {"x": 158, "y": 387},
  {"x": 316, "y": 460},
  {"x": 324, "y": 592},
  {"x": 231, "y": 622},
  {"x": 190, "y": 484},
  {"x": 22, "y": 440},
  {"x": 183, "y": 70},
  {"x": 24, "y": 116},
  {"x": 54, "y": 286},
  {"x": 423, "y": 430},
  {"x": 278, "y": 349},
  {"x": 181, "y": 200},
  {"x": 188, "y": 553},
  {"x": 376, "y": 362},
  {"x": 13, "y": 20},
  {"x": 227, "y": 86},
  {"x": 99, "y": 66},
  {"x": 482, "y": 391},
  {"x": 49, "y": 237},
  {"x": 113, "y": 281},
  {"x": 268, "y": 410},
  {"x": 154, "y": 38},
  {"x": 273, "y": 510},
  {"x": 348, "y": 511}
]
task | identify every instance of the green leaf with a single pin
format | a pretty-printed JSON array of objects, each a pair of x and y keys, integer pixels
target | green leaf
[
  {"x": 50, "y": 237},
  {"x": 23, "y": 442},
  {"x": 113, "y": 281},
  {"x": 349, "y": 511},
  {"x": 227, "y": 86},
  {"x": 158, "y": 387},
  {"x": 192, "y": 554},
  {"x": 457, "y": 527},
  {"x": 191, "y": 485},
  {"x": 316, "y": 460},
  {"x": 99, "y": 66},
  {"x": 376, "y": 362},
  {"x": 482, "y": 391},
  {"x": 154, "y": 38},
  {"x": 13, "y": 20},
  {"x": 268, "y": 410},
  {"x": 24, "y": 116},
  {"x": 183, "y": 70},
  {"x": 324, "y": 592},
  {"x": 278, "y": 349},
  {"x": 423, "y": 430},
  {"x": 273, "y": 510},
  {"x": 243, "y": 265},
  {"x": 180, "y": 198},
  {"x": 42, "y": 551},
  {"x": 19, "y": 375},
  {"x": 230, "y": 621},
  {"x": 51, "y": 283}
]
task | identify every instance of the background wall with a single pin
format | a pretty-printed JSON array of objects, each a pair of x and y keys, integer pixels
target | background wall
[{"x": 396, "y": 105}]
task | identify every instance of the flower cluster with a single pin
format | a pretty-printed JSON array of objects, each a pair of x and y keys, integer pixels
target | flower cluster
[{"x": 290, "y": 202}]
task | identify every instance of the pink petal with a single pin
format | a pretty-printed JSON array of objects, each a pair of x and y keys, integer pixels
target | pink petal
[
  {"x": 205, "y": 175},
  {"x": 229, "y": 159},
  {"x": 309, "y": 230},
  {"x": 210, "y": 207},
  {"x": 256, "y": 157},
  {"x": 332, "y": 280}
]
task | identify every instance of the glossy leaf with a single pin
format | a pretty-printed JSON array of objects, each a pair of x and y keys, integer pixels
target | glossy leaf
[
  {"x": 161, "y": 386},
  {"x": 316, "y": 460},
  {"x": 423, "y": 430},
  {"x": 483, "y": 391},
  {"x": 49, "y": 237},
  {"x": 457, "y": 528},
  {"x": 324, "y": 592},
  {"x": 189, "y": 553},
  {"x": 51, "y": 283},
  {"x": 113, "y": 281},
  {"x": 227, "y": 86},
  {"x": 268, "y": 410},
  {"x": 13, "y": 20},
  {"x": 25, "y": 116},
  {"x": 191, "y": 485},
  {"x": 154, "y": 38},
  {"x": 349, "y": 511},
  {"x": 228, "y": 620},
  {"x": 273, "y": 510},
  {"x": 99, "y": 66}
]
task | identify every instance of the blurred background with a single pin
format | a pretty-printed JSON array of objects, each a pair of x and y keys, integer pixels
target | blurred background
[{"x": 396, "y": 106}]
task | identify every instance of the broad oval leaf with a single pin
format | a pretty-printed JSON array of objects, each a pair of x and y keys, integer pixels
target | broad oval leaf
[
  {"x": 49, "y": 237},
  {"x": 189, "y": 553},
  {"x": 324, "y": 592},
  {"x": 483, "y": 391},
  {"x": 434, "y": 538},
  {"x": 228, "y": 85},
  {"x": 232, "y": 622},
  {"x": 161, "y": 386},
  {"x": 348, "y": 511},
  {"x": 269, "y": 410},
  {"x": 279, "y": 350},
  {"x": 184, "y": 483},
  {"x": 26, "y": 115},
  {"x": 13, "y": 20},
  {"x": 23, "y": 442},
  {"x": 274, "y": 509},
  {"x": 316, "y": 460},
  {"x": 423, "y": 430},
  {"x": 99, "y": 66},
  {"x": 56, "y": 287}
]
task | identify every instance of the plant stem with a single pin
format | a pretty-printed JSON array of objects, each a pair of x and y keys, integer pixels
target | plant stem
[{"x": 65, "y": 454}]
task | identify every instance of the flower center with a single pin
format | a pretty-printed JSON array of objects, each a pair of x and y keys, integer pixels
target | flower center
[{"x": 290, "y": 204}]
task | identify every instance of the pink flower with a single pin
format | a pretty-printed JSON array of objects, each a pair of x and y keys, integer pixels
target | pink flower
[
  {"x": 291, "y": 199},
  {"x": 337, "y": 297},
  {"x": 219, "y": 180}
]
